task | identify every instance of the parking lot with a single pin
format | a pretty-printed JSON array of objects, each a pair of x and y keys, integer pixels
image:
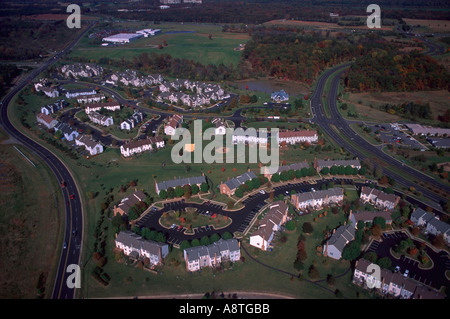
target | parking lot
[
  {"x": 392, "y": 134},
  {"x": 434, "y": 277}
]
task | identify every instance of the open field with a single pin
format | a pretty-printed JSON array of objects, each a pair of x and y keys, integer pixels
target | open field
[
  {"x": 320, "y": 25},
  {"x": 438, "y": 103},
  {"x": 430, "y": 25},
  {"x": 190, "y": 41},
  {"x": 30, "y": 225}
]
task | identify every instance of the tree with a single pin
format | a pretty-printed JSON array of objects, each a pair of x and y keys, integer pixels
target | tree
[
  {"x": 162, "y": 194},
  {"x": 290, "y": 225},
  {"x": 227, "y": 235},
  {"x": 380, "y": 221},
  {"x": 313, "y": 272},
  {"x": 377, "y": 230},
  {"x": 185, "y": 245},
  {"x": 307, "y": 228},
  {"x": 179, "y": 191},
  {"x": 204, "y": 187},
  {"x": 205, "y": 241},
  {"x": 384, "y": 263},
  {"x": 325, "y": 171},
  {"x": 195, "y": 242},
  {"x": 351, "y": 250},
  {"x": 215, "y": 237}
]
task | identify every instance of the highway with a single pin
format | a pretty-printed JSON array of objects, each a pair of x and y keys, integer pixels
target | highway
[
  {"x": 390, "y": 166},
  {"x": 71, "y": 249}
]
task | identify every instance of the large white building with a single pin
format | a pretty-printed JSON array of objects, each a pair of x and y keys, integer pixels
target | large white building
[
  {"x": 140, "y": 146},
  {"x": 123, "y": 37},
  {"x": 89, "y": 144}
]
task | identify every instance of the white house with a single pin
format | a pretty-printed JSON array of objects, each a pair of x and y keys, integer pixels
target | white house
[
  {"x": 78, "y": 70},
  {"x": 212, "y": 255},
  {"x": 69, "y": 133},
  {"x": 220, "y": 126},
  {"x": 70, "y": 94},
  {"x": 89, "y": 144},
  {"x": 140, "y": 146},
  {"x": 95, "y": 107},
  {"x": 272, "y": 222},
  {"x": 378, "y": 198},
  {"x": 100, "y": 119},
  {"x": 341, "y": 236},
  {"x": 90, "y": 98},
  {"x": 134, "y": 120},
  {"x": 46, "y": 120},
  {"x": 172, "y": 124},
  {"x": 136, "y": 247},
  {"x": 317, "y": 199},
  {"x": 280, "y": 96}
]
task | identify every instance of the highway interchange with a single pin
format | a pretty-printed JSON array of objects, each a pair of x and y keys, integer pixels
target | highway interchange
[{"x": 71, "y": 250}]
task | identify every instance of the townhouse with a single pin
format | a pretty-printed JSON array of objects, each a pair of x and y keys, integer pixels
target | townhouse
[
  {"x": 89, "y": 144},
  {"x": 134, "y": 120},
  {"x": 81, "y": 70},
  {"x": 294, "y": 167},
  {"x": 320, "y": 164},
  {"x": 128, "y": 202},
  {"x": 140, "y": 146},
  {"x": 418, "y": 129},
  {"x": 196, "y": 180},
  {"x": 212, "y": 255},
  {"x": 230, "y": 186},
  {"x": 391, "y": 284},
  {"x": 172, "y": 124},
  {"x": 431, "y": 224},
  {"x": 100, "y": 119},
  {"x": 379, "y": 198},
  {"x": 133, "y": 78},
  {"x": 53, "y": 108},
  {"x": 246, "y": 137},
  {"x": 295, "y": 137},
  {"x": 367, "y": 216},
  {"x": 90, "y": 98},
  {"x": 138, "y": 248},
  {"x": 68, "y": 132},
  {"x": 318, "y": 199},
  {"x": 70, "y": 94},
  {"x": 95, "y": 107},
  {"x": 275, "y": 217},
  {"x": 341, "y": 236},
  {"x": 420, "y": 217},
  {"x": 46, "y": 120}
]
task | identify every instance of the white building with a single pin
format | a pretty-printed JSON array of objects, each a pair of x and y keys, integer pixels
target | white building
[
  {"x": 172, "y": 124},
  {"x": 46, "y": 120},
  {"x": 89, "y": 144},
  {"x": 136, "y": 247},
  {"x": 140, "y": 146},
  {"x": 212, "y": 255},
  {"x": 318, "y": 199},
  {"x": 100, "y": 119},
  {"x": 123, "y": 37},
  {"x": 294, "y": 137},
  {"x": 90, "y": 98},
  {"x": 271, "y": 223},
  {"x": 95, "y": 107}
]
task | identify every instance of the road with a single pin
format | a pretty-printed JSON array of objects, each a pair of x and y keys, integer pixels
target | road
[
  {"x": 391, "y": 167},
  {"x": 71, "y": 249}
]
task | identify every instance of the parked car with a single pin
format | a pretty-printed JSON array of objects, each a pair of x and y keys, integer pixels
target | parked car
[{"x": 406, "y": 273}]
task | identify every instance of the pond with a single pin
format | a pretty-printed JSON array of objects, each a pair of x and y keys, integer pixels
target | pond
[{"x": 271, "y": 85}]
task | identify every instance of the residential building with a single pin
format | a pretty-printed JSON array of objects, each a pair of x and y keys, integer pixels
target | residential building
[
  {"x": 49, "y": 91},
  {"x": 95, "y": 107},
  {"x": 140, "y": 146},
  {"x": 420, "y": 217},
  {"x": 81, "y": 70},
  {"x": 230, "y": 186},
  {"x": 70, "y": 94},
  {"x": 294, "y": 167},
  {"x": 89, "y": 144},
  {"x": 136, "y": 247},
  {"x": 128, "y": 202},
  {"x": 320, "y": 164},
  {"x": 367, "y": 216},
  {"x": 90, "y": 98},
  {"x": 133, "y": 121},
  {"x": 341, "y": 236},
  {"x": 379, "y": 198},
  {"x": 317, "y": 199},
  {"x": 46, "y": 120},
  {"x": 197, "y": 180},
  {"x": 133, "y": 78},
  {"x": 271, "y": 223},
  {"x": 280, "y": 96},
  {"x": 68, "y": 132},
  {"x": 220, "y": 126},
  {"x": 438, "y": 227},
  {"x": 100, "y": 119},
  {"x": 53, "y": 108},
  {"x": 247, "y": 137},
  {"x": 212, "y": 255},
  {"x": 440, "y": 142},
  {"x": 172, "y": 124},
  {"x": 295, "y": 137}
]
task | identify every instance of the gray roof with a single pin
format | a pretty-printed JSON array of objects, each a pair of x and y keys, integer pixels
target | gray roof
[
  {"x": 329, "y": 163},
  {"x": 295, "y": 166},
  {"x": 335, "y": 191},
  {"x": 131, "y": 239},
  {"x": 239, "y": 180},
  {"x": 341, "y": 236},
  {"x": 420, "y": 213},
  {"x": 194, "y": 253},
  {"x": 181, "y": 182},
  {"x": 440, "y": 226}
]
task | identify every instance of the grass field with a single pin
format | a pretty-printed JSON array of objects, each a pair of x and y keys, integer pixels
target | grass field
[
  {"x": 30, "y": 225},
  {"x": 438, "y": 101},
  {"x": 192, "y": 46},
  {"x": 430, "y": 25}
]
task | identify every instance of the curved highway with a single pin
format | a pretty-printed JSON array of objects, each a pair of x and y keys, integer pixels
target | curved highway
[{"x": 71, "y": 248}]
